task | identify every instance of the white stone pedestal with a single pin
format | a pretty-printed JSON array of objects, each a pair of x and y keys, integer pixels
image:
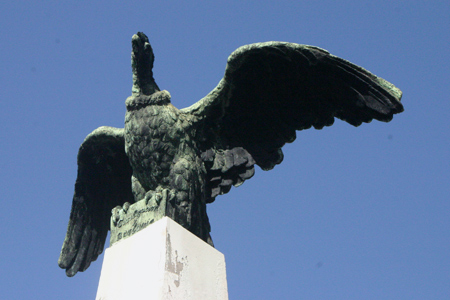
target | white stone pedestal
[{"x": 162, "y": 261}]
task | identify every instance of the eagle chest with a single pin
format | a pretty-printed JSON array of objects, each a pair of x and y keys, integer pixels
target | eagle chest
[{"x": 151, "y": 143}]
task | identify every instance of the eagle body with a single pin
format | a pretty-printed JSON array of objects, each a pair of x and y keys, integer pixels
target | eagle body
[
  {"x": 166, "y": 160},
  {"x": 179, "y": 160},
  {"x": 152, "y": 139}
]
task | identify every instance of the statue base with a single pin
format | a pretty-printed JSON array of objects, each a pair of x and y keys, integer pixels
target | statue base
[
  {"x": 162, "y": 261},
  {"x": 138, "y": 216}
]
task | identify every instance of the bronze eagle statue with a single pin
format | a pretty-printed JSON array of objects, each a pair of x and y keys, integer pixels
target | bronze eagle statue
[{"x": 188, "y": 157}]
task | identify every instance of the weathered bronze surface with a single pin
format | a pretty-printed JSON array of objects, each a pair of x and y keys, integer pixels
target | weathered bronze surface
[{"x": 172, "y": 162}]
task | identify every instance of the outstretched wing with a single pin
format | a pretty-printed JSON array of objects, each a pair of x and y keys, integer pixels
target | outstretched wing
[
  {"x": 103, "y": 182},
  {"x": 272, "y": 89}
]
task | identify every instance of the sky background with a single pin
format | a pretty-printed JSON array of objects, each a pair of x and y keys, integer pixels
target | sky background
[{"x": 351, "y": 213}]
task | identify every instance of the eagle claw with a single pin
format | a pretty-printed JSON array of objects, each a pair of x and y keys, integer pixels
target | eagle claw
[
  {"x": 118, "y": 213},
  {"x": 154, "y": 198}
]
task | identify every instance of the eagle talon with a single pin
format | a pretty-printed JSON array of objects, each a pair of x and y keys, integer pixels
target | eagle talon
[
  {"x": 148, "y": 197},
  {"x": 172, "y": 195},
  {"x": 126, "y": 206},
  {"x": 115, "y": 214},
  {"x": 154, "y": 198},
  {"x": 158, "y": 198},
  {"x": 118, "y": 213}
]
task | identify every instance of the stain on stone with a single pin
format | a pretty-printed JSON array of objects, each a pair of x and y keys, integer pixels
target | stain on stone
[{"x": 173, "y": 264}]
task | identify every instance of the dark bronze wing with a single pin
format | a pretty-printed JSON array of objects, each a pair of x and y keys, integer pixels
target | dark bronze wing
[
  {"x": 272, "y": 89},
  {"x": 103, "y": 182}
]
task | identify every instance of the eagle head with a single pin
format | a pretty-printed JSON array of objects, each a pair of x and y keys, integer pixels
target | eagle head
[{"x": 142, "y": 59}]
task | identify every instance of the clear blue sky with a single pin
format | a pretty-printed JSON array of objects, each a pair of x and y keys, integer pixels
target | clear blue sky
[{"x": 351, "y": 213}]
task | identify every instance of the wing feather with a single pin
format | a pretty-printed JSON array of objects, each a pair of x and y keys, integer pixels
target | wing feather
[
  {"x": 272, "y": 89},
  {"x": 103, "y": 182}
]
